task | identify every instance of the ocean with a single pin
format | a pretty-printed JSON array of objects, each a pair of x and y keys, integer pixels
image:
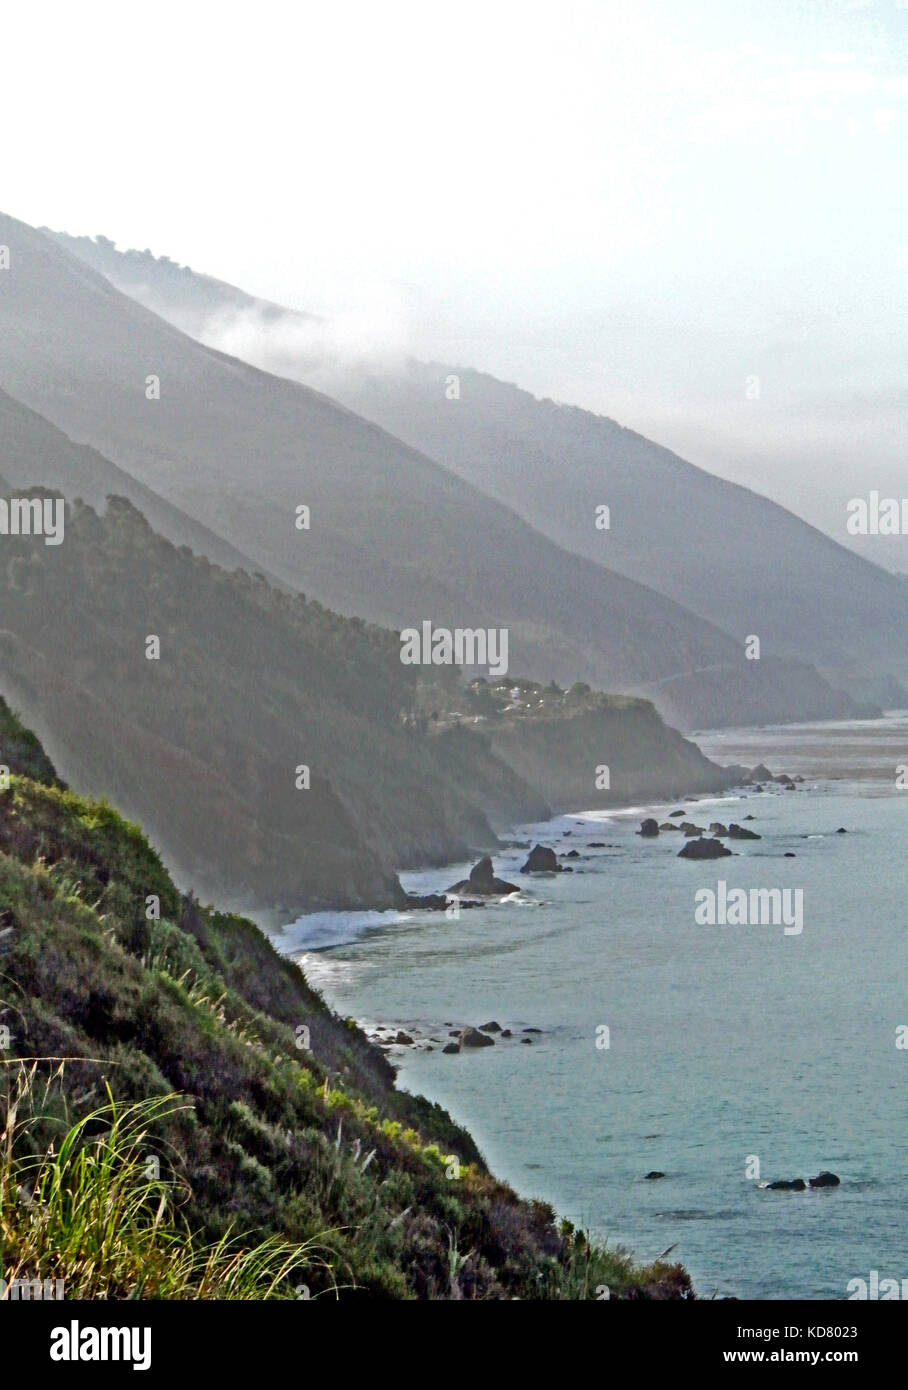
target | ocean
[{"x": 721, "y": 1056}]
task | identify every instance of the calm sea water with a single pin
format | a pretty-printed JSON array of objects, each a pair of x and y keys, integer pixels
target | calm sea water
[{"x": 726, "y": 1042}]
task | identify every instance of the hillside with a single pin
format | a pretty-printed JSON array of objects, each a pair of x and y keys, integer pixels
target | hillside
[
  {"x": 205, "y": 741},
  {"x": 394, "y": 538},
  {"x": 645, "y": 758},
  {"x": 725, "y": 553},
  {"x": 733, "y": 557},
  {"x": 36, "y": 454},
  {"x": 200, "y": 1125}
]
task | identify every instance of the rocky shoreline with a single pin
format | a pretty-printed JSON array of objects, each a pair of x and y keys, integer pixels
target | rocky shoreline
[
  {"x": 701, "y": 843},
  {"x": 454, "y": 1038},
  {"x": 544, "y": 861}
]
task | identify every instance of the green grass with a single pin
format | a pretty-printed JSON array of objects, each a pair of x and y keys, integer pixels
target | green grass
[{"x": 92, "y": 1210}]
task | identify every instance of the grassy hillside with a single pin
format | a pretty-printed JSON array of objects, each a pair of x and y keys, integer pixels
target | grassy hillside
[{"x": 182, "y": 1117}]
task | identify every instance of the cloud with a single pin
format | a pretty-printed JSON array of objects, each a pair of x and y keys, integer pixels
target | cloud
[{"x": 370, "y": 330}]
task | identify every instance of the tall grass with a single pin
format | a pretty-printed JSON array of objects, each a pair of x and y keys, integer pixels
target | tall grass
[{"x": 92, "y": 1208}]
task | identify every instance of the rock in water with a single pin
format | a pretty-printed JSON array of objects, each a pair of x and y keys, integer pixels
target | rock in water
[
  {"x": 482, "y": 880},
  {"x": 541, "y": 860},
  {"x": 648, "y": 827},
  {"x": 717, "y": 828},
  {"x": 825, "y": 1179},
  {"x": 435, "y": 901},
  {"x": 737, "y": 832},
  {"x": 471, "y": 1037},
  {"x": 492, "y": 1027},
  {"x": 702, "y": 848},
  {"x": 654, "y": 1174},
  {"x": 451, "y": 1048}
]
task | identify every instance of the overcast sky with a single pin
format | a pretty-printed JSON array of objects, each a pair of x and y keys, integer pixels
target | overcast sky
[{"x": 633, "y": 207}]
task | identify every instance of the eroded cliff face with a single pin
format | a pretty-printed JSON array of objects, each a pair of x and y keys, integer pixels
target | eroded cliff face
[{"x": 607, "y": 756}]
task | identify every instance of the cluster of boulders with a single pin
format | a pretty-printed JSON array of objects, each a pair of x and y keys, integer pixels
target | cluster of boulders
[
  {"x": 701, "y": 844},
  {"x": 386, "y": 1038},
  {"x": 760, "y": 775},
  {"x": 459, "y": 1039},
  {"x": 436, "y": 902},
  {"x": 481, "y": 1036},
  {"x": 650, "y": 828},
  {"x": 824, "y": 1179},
  {"x": 482, "y": 882}
]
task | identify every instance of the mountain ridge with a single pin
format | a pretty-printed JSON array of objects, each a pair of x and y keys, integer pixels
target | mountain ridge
[
  {"x": 553, "y": 463},
  {"x": 193, "y": 696},
  {"x": 394, "y": 537}
]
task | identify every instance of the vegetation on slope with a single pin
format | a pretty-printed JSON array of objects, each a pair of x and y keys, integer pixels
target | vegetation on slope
[
  {"x": 586, "y": 748},
  {"x": 202, "y": 744},
  {"x": 251, "y": 684},
  {"x": 182, "y": 1116}
]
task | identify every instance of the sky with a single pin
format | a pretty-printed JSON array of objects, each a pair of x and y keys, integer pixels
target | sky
[{"x": 688, "y": 216}]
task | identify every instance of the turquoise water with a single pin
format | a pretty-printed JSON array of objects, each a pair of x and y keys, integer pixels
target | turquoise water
[{"x": 726, "y": 1042}]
